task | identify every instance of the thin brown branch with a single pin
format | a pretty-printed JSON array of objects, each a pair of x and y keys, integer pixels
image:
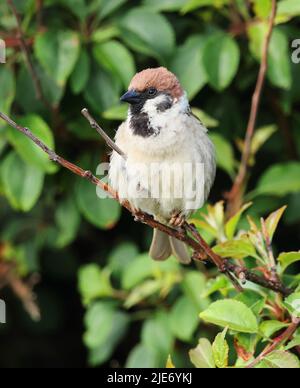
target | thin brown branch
[
  {"x": 24, "y": 47},
  {"x": 217, "y": 260},
  {"x": 200, "y": 247},
  {"x": 108, "y": 140},
  {"x": 39, "y": 12},
  {"x": 24, "y": 292},
  {"x": 282, "y": 339},
  {"x": 252, "y": 277},
  {"x": 235, "y": 197},
  {"x": 22, "y": 289}
]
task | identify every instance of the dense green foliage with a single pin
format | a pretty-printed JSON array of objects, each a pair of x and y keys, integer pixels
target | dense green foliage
[{"x": 138, "y": 312}]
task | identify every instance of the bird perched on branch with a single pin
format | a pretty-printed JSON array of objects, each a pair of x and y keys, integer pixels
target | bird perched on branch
[{"x": 170, "y": 166}]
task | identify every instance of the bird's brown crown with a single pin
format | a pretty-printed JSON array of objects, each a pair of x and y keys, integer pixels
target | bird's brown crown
[{"x": 160, "y": 79}]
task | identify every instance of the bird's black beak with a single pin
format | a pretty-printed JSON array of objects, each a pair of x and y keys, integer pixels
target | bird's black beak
[{"x": 132, "y": 97}]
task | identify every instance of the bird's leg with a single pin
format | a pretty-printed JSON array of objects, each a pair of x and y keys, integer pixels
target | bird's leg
[
  {"x": 140, "y": 216},
  {"x": 177, "y": 220}
]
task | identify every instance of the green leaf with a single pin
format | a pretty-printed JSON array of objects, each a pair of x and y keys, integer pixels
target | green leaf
[
  {"x": 8, "y": 89},
  {"x": 202, "y": 356},
  {"x": 166, "y": 5},
  {"x": 142, "y": 292},
  {"x": 273, "y": 220},
  {"x": 103, "y": 90},
  {"x": 26, "y": 94},
  {"x": 29, "y": 151},
  {"x": 253, "y": 300},
  {"x": 184, "y": 319},
  {"x": 287, "y": 259},
  {"x": 279, "y": 180},
  {"x": 121, "y": 257},
  {"x": 237, "y": 249},
  {"x": 110, "y": 6},
  {"x": 262, "y": 8},
  {"x": 292, "y": 303},
  {"x": 279, "y": 69},
  {"x": 221, "y": 60},
  {"x": 102, "y": 213},
  {"x": 67, "y": 219},
  {"x": 80, "y": 128},
  {"x": 104, "y": 352},
  {"x": 220, "y": 283},
  {"x": 220, "y": 350},
  {"x": 280, "y": 360},
  {"x": 138, "y": 270},
  {"x": 232, "y": 314},
  {"x": 118, "y": 112},
  {"x": 156, "y": 335},
  {"x": 232, "y": 223},
  {"x": 142, "y": 357},
  {"x": 57, "y": 51},
  {"x": 81, "y": 73},
  {"x": 294, "y": 343},
  {"x": 138, "y": 32},
  {"x": 77, "y": 7},
  {"x": 288, "y": 9},
  {"x": 94, "y": 283},
  {"x": 23, "y": 183},
  {"x": 98, "y": 320},
  {"x": 115, "y": 57},
  {"x": 193, "y": 285},
  {"x": 224, "y": 153},
  {"x": 188, "y": 65},
  {"x": 191, "y": 5},
  {"x": 205, "y": 118},
  {"x": 269, "y": 328},
  {"x": 246, "y": 345},
  {"x": 105, "y": 327},
  {"x": 144, "y": 267},
  {"x": 261, "y": 136},
  {"x": 105, "y": 33}
]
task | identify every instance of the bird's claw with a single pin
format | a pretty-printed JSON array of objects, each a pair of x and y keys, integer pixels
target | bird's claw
[
  {"x": 177, "y": 220},
  {"x": 139, "y": 216}
]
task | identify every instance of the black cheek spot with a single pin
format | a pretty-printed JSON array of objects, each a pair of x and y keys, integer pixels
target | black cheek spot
[
  {"x": 141, "y": 126},
  {"x": 164, "y": 106}
]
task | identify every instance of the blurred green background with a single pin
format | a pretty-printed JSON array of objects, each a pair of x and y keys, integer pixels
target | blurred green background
[{"x": 102, "y": 301}]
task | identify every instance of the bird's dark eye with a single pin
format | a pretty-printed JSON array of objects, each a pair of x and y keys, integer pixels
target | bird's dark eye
[{"x": 152, "y": 92}]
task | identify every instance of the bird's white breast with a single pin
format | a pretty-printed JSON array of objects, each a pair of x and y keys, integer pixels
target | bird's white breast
[{"x": 180, "y": 139}]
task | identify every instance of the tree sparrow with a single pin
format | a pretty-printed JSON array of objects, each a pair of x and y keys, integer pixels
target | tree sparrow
[{"x": 167, "y": 150}]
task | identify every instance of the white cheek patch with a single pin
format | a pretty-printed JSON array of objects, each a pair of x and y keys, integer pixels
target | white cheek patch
[
  {"x": 150, "y": 106},
  {"x": 161, "y": 118}
]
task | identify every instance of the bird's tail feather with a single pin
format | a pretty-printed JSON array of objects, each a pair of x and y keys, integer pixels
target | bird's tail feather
[{"x": 163, "y": 247}]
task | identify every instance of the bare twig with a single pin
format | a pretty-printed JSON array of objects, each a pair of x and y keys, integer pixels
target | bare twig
[
  {"x": 235, "y": 197},
  {"x": 201, "y": 248},
  {"x": 22, "y": 289},
  {"x": 39, "y": 9},
  {"x": 24, "y": 292},
  {"x": 282, "y": 339},
  {"x": 257, "y": 279},
  {"x": 108, "y": 140},
  {"x": 36, "y": 81},
  {"x": 217, "y": 260}
]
